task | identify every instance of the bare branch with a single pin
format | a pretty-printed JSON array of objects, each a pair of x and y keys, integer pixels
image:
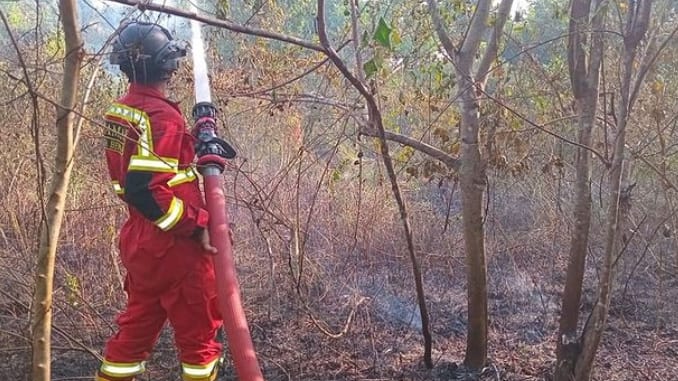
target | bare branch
[
  {"x": 441, "y": 31},
  {"x": 447, "y": 159},
  {"x": 493, "y": 46},
  {"x": 375, "y": 119},
  {"x": 647, "y": 64},
  {"x": 468, "y": 49},
  {"x": 543, "y": 129},
  {"x": 298, "y": 77},
  {"x": 233, "y": 27},
  {"x": 35, "y": 115},
  {"x": 662, "y": 175},
  {"x": 347, "y": 325},
  {"x": 355, "y": 32},
  {"x": 334, "y": 57}
]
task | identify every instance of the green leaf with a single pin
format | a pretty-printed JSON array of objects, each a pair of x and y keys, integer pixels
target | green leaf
[
  {"x": 371, "y": 67},
  {"x": 383, "y": 34}
]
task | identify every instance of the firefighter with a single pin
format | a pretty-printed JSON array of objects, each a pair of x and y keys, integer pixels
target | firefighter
[{"x": 164, "y": 244}]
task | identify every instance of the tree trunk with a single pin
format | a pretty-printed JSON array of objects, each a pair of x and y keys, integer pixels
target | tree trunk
[
  {"x": 472, "y": 172},
  {"x": 473, "y": 183},
  {"x": 584, "y": 75},
  {"x": 41, "y": 314},
  {"x": 637, "y": 22},
  {"x": 568, "y": 339},
  {"x": 375, "y": 120}
]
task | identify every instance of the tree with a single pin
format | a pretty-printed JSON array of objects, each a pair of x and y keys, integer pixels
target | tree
[
  {"x": 584, "y": 68},
  {"x": 470, "y": 87},
  {"x": 637, "y": 21},
  {"x": 375, "y": 121},
  {"x": 575, "y": 355},
  {"x": 52, "y": 217}
]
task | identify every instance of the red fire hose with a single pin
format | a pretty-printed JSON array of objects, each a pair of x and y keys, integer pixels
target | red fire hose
[
  {"x": 228, "y": 291},
  {"x": 212, "y": 153}
]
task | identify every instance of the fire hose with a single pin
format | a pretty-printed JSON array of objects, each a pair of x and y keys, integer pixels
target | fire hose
[{"x": 212, "y": 154}]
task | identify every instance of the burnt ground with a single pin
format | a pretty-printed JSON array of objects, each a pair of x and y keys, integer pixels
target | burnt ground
[
  {"x": 383, "y": 340},
  {"x": 305, "y": 335}
]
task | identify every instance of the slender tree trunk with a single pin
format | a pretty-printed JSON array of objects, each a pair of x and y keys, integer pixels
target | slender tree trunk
[
  {"x": 568, "y": 338},
  {"x": 472, "y": 172},
  {"x": 636, "y": 26},
  {"x": 584, "y": 75},
  {"x": 473, "y": 183},
  {"x": 41, "y": 314},
  {"x": 596, "y": 323},
  {"x": 375, "y": 121}
]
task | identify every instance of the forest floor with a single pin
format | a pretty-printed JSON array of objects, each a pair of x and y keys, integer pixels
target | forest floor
[{"x": 382, "y": 339}]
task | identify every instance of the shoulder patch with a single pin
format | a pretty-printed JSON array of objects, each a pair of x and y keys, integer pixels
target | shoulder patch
[{"x": 114, "y": 137}]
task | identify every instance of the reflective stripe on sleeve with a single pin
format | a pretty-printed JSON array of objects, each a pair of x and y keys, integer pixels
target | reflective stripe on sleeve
[
  {"x": 122, "y": 369},
  {"x": 117, "y": 188},
  {"x": 199, "y": 371},
  {"x": 163, "y": 164},
  {"x": 173, "y": 215},
  {"x": 182, "y": 177}
]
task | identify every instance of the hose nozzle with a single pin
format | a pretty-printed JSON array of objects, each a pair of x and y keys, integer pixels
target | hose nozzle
[{"x": 210, "y": 149}]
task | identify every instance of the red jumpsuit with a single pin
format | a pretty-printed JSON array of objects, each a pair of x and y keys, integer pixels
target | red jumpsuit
[{"x": 169, "y": 276}]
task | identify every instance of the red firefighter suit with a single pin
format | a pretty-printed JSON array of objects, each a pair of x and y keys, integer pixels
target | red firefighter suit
[{"x": 169, "y": 275}]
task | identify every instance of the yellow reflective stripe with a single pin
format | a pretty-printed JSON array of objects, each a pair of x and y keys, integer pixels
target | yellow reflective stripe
[
  {"x": 122, "y": 369},
  {"x": 182, "y": 177},
  {"x": 199, "y": 371},
  {"x": 173, "y": 215},
  {"x": 163, "y": 164},
  {"x": 117, "y": 188},
  {"x": 139, "y": 119}
]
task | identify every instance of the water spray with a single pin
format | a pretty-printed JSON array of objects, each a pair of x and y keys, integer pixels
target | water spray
[{"x": 212, "y": 153}]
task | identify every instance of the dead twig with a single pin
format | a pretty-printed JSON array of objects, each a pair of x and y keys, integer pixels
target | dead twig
[{"x": 347, "y": 325}]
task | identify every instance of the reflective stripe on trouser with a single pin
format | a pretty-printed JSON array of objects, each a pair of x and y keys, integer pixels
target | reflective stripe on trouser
[
  {"x": 121, "y": 370},
  {"x": 206, "y": 372}
]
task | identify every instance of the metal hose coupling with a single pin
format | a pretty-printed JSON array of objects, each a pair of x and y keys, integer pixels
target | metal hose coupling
[{"x": 211, "y": 150}]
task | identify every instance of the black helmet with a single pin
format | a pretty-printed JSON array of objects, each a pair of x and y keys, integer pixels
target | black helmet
[{"x": 146, "y": 52}]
